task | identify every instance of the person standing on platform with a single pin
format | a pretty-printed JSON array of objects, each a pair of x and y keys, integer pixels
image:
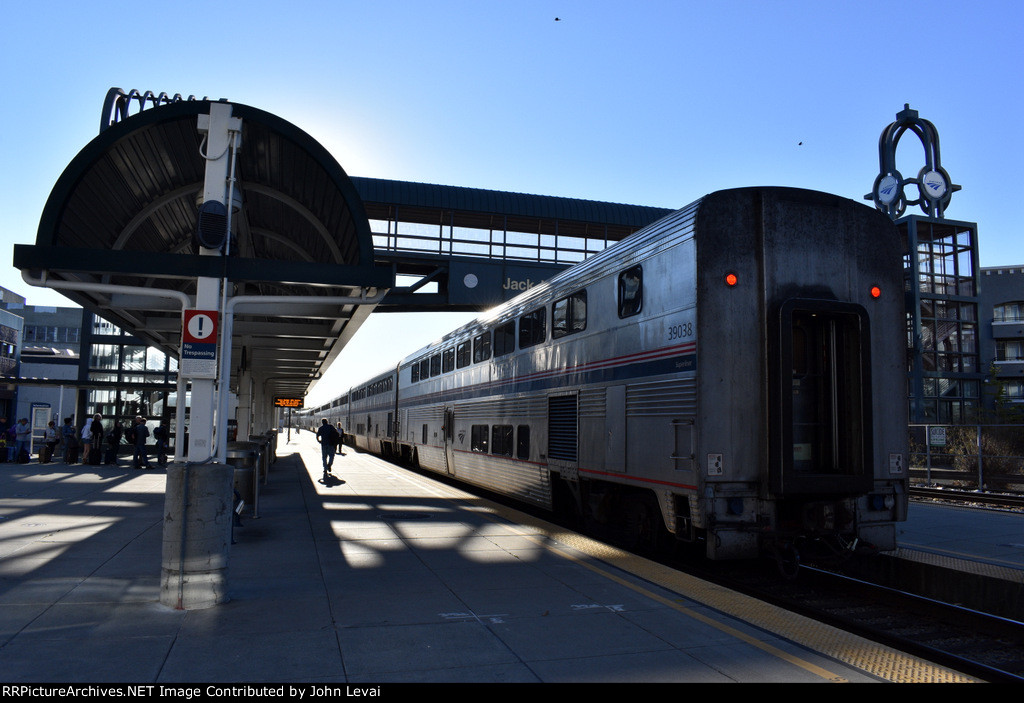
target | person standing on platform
[
  {"x": 4, "y": 427},
  {"x": 141, "y": 435},
  {"x": 160, "y": 435},
  {"x": 70, "y": 440},
  {"x": 96, "y": 441},
  {"x": 113, "y": 442},
  {"x": 49, "y": 442},
  {"x": 341, "y": 439},
  {"x": 22, "y": 440},
  {"x": 327, "y": 436}
]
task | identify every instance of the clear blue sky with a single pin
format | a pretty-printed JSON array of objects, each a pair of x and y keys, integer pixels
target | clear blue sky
[{"x": 648, "y": 102}]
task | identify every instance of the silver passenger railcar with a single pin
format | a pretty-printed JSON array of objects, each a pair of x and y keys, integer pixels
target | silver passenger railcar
[{"x": 732, "y": 373}]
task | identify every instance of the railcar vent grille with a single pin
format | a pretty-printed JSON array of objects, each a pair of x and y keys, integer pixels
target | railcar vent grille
[{"x": 563, "y": 428}]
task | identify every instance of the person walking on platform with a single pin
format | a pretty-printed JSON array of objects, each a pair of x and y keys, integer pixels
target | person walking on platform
[
  {"x": 327, "y": 436},
  {"x": 141, "y": 435}
]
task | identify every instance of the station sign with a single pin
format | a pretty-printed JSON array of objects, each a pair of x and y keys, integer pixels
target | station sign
[
  {"x": 198, "y": 344},
  {"x": 288, "y": 402}
]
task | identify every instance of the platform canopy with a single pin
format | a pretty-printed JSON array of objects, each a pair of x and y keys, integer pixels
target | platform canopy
[{"x": 121, "y": 222}]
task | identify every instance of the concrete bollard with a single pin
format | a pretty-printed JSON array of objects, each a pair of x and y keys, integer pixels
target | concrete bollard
[{"x": 197, "y": 535}]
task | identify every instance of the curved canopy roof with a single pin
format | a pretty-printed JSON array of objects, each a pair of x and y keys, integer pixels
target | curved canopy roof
[{"x": 120, "y": 226}]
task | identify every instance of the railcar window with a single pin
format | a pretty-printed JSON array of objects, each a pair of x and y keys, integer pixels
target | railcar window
[
  {"x": 463, "y": 355},
  {"x": 425, "y": 369},
  {"x": 424, "y": 433},
  {"x": 569, "y": 315},
  {"x": 631, "y": 291},
  {"x": 482, "y": 347},
  {"x": 501, "y": 440},
  {"x": 533, "y": 328},
  {"x": 523, "y": 442},
  {"x": 414, "y": 373},
  {"x": 447, "y": 360},
  {"x": 478, "y": 438},
  {"x": 505, "y": 339},
  {"x": 435, "y": 365}
]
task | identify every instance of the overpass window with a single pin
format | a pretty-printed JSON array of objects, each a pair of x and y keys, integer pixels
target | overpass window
[
  {"x": 533, "y": 328},
  {"x": 631, "y": 291},
  {"x": 569, "y": 315},
  {"x": 482, "y": 347},
  {"x": 448, "y": 360},
  {"x": 463, "y": 355},
  {"x": 505, "y": 339}
]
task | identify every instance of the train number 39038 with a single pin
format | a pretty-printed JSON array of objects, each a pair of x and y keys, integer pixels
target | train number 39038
[{"x": 681, "y": 331}]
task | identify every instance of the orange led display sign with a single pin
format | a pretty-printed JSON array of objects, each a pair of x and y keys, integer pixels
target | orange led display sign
[{"x": 283, "y": 402}]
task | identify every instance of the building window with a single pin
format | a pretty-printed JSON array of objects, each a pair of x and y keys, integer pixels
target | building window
[
  {"x": 1008, "y": 312},
  {"x": 1009, "y": 351}
]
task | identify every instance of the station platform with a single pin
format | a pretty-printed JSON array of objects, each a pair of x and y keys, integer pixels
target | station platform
[
  {"x": 973, "y": 556},
  {"x": 381, "y": 576}
]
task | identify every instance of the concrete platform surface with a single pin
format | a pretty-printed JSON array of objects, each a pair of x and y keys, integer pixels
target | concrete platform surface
[{"x": 377, "y": 576}]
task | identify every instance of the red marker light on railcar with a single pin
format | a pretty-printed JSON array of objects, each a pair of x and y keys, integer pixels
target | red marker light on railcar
[
  {"x": 876, "y": 292},
  {"x": 731, "y": 279}
]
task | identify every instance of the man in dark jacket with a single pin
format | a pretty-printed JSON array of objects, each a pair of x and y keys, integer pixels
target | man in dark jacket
[
  {"x": 141, "y": 435},
  {"x": 327, "y": 436}
]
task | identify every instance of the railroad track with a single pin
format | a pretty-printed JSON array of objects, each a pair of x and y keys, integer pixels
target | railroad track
[
  {"x": 953, "y": 495},
  {"x": 987, "y": 647}
]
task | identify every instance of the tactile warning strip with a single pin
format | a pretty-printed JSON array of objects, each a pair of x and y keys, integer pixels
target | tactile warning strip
[{"x": 960, "y": 562}]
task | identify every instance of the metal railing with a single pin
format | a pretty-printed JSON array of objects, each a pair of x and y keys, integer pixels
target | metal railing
[
  {"x": 989, "y": 457},
  {"x": 493, "y": 244}
]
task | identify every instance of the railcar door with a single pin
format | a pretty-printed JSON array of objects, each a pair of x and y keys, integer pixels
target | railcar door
[
  {"x": 448, "y": 436},
  {"x": 822, "y": 387}
]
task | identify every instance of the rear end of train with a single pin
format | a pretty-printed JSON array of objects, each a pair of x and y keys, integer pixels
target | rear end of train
[{"x": 802, "y": 400}]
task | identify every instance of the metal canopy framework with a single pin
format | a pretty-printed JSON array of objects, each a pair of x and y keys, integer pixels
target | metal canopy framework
[{"x": 120, "y": 226}]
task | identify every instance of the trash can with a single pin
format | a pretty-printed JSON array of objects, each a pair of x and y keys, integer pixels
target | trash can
[
  {"x": 244, "y": 457},
  {"x": 264, "y": 450},
  {"x": 272, "y": 435}
]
